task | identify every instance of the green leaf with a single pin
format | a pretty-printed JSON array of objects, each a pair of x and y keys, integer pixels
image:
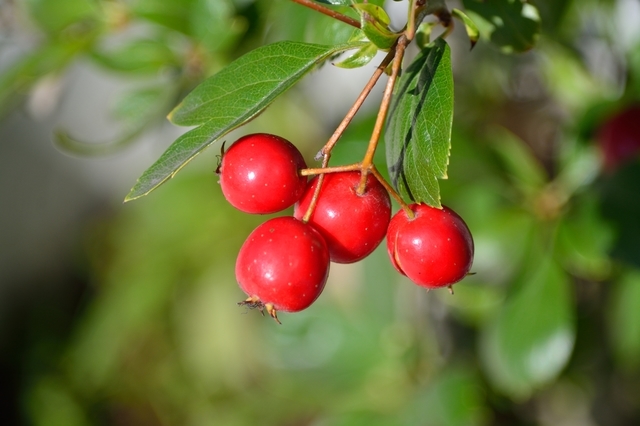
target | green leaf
[
  {"x": 375, "y": 25},
  {"x": 172, "y": 14},
  {"x": 579, "y": 167},
  {"x": 423, "y": 34},
  {"x": 418, "y": 135},
  {"x": 376, "y": 13},
  {"x": 137, "y": 109},
  {"x": 474, "y": 302},
  {"x": 55, "y": 16},
  {"x": 290, "y": 21},
  {"x": 360, "y": 58},
  {"x": 230, "y": 98},
  {"x": 585, "y": 254},
  {"x": 519, "y": 160},
  {"x": 512, "y": 25},
  {"x": 140, "y": 56},
  {"x": 81, "y": 148},
  {"x": 453, "y": 398},
  {"x": 531, "y": 339},
  {"x": 144, "y": 103},
  {"x": 472, "y": 30},
  {"x": 381, "y": 37},
  {"x": 20, "y": 76},
  {"x": 52, "y": 401},
  {"x": 624, "y": 320},
  {"x": 214, "y": 24}
]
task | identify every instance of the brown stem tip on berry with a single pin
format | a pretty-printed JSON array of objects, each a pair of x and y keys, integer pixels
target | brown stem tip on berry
[
  {"x": 283, "y": 264},
  {"x": 254, "y": 302},
  {"x": 272, "y": 312}
]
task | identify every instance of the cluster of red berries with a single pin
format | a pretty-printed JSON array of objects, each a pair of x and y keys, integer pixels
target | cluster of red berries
[{"x": 284, "y": 263}]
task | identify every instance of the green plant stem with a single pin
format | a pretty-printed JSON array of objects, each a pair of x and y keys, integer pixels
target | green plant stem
[
  {"x": 329, "y": 12},
  {"x": 411, "y": 22}
]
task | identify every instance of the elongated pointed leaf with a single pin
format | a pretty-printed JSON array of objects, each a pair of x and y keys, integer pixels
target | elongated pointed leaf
[
  {"x": 531, "y": 339},
  {"x": 136, "y": 110},
  {"x": 230, "y": 98},
  {"x": 472, "y": 30},
  {"x": 423, "y": 34},
  {"x": 360, "y": 58},
  {"x": 375, "y": 24},
  {"x": 376, "y": 13},
  {"x": 519, "y": 160},
  {"x": 247, "y": 85},
  {"x": 54, "y": 16},
  {"x": 140, "y": 56},
  {"x": 512, "y": 25},
  {"x": 624, "y": 321},
  {"x": 452, "y": 398},
  {"x": 418, "y": 135}
]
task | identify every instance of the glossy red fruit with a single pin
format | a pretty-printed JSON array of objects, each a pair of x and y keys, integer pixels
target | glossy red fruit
[
  {"x": 352, "y": 225},
  {"x": 260, "y": 174},
  {"x": 282, "y": 266},
  {"x": 434, "y": 249},
  {"x": 619, "y": 137}
]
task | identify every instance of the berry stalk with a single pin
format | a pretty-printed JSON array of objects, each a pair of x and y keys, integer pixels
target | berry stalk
[
  {"x": 336, "y": 169},
  {"x": 367, "y": 162},
  {"x": 325, "y": 152},
  {"x": 374, "y": 171},
  {"x": 326, "y": 149}
]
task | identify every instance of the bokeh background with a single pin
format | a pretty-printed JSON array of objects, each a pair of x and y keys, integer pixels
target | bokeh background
[{"x": 125, "y": 314}]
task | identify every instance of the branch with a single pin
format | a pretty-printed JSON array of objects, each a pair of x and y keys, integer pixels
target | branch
[{"x": 329, "y": 12}]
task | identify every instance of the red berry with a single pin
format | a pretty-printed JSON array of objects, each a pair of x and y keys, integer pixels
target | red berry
[
  {"x": 619, "y": 137},
  {"x": 260, "y": 174},
  {"x": 352, "y": 225},
  {"x": 282, "y": 266},
  {"x": 434, "y": 249}
]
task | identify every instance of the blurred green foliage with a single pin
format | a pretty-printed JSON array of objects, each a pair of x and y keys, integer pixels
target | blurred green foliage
[{"x": 546, "y": 332}]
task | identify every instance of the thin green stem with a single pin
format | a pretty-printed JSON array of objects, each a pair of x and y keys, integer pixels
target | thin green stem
[{"x": 411, "y": 22}]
